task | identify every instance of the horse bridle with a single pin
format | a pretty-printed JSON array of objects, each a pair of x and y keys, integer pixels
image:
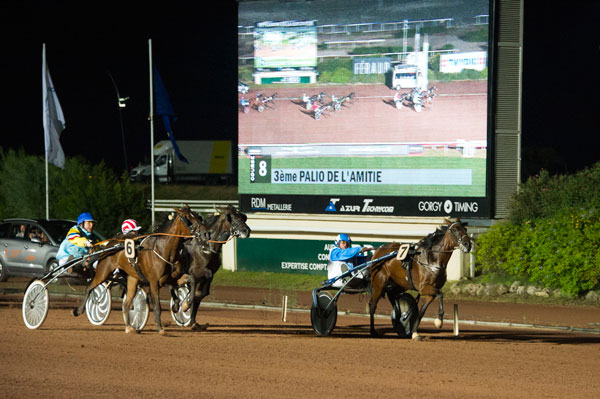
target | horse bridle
[
  {"x": 458, "y": 238},
  {"x": 236, "y": 227}
]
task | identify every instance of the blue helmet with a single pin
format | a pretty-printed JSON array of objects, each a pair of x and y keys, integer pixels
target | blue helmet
[
  {"x": 342, "y": 237},
  {"x": 85, "y": 217}
]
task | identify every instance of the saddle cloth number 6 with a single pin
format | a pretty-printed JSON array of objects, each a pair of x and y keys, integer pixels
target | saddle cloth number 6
[{"x": 129, "y": 248}]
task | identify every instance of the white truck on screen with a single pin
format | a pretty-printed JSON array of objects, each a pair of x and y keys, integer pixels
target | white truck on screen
[{"x": 207, "y": 162}]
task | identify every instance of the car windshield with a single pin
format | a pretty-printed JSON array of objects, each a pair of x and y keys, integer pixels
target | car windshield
[{"x": 57, "y": 229}]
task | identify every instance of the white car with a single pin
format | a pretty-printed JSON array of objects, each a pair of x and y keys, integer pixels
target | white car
[{"x": 29, "y": 246}]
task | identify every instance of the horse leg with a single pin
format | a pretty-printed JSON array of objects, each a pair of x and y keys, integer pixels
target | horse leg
[
  {"x": 191, "y": 280},
  {"x": 198, "y": 297},
  {"x": 176, "y": 302},
  {"x": 377, "y": 283},
  {"x": 426, "y": 302},
  {"x": 154, "y": 292},
  {"x": 132, "y": 285},
  {"x": 440, "y": 320},
  {"x": 175, "y": 307}
]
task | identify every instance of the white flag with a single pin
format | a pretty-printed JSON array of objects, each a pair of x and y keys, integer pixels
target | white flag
[{"x": 54, "y": 120}]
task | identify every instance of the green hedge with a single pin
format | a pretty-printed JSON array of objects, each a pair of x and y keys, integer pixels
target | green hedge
[
  {"x": 552, "y": 237},
  {"x": 560, "y": 252},
  {"x": 77, "y": 188},
  {"x": 545, "y": 195}
]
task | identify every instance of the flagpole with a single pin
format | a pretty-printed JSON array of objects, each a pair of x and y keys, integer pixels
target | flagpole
[
  {"x": 151, "y": 131},
  {"x": 54, "y": 123},
  {"x": 44, "y": 116}
]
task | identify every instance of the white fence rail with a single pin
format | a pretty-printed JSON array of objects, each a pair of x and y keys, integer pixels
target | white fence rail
[{"x": 203, "y": 206}]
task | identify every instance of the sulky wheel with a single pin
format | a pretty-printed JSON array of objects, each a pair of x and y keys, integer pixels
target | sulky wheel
[
  {"x": 182, "y": 319},
  {"x": 98, "y": 305},
  {"x": 138, "y": 315},
  {"x": 404, "y": 314},
  {"x": 35, "y": 304},
  {"x": 322, "y": 317}
]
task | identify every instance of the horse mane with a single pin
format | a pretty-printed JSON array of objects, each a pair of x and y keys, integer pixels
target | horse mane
[
  {"x": 211, "y": 219},
  {"x": 166, "y": 223},
  {"x": 433, "y": 238}
]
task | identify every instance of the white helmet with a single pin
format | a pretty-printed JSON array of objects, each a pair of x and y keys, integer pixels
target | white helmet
[{"x": 130, "y": 225}]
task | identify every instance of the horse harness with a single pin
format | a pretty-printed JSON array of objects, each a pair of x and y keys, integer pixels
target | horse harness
[
  {"x": 408, "y": 261},
  {"x": 133, "y": 256}
]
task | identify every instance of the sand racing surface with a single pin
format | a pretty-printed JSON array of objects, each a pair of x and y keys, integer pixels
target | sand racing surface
[
  {"x": 458, "y": 111},
  {"x": 250, "y": 352}
]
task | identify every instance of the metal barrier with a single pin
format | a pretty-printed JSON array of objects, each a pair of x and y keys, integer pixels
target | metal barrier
[{"x": 203, "y": 206}]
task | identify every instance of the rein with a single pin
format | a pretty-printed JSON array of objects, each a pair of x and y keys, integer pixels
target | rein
[
  {"x": 231, "y": 236},
  {"x": 143, "y": 236}
]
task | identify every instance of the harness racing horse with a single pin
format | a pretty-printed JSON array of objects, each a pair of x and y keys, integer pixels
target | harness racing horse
[
  {"x": 154, "y": 264},
  {"x": 203, "y": 262},
  {"x": 425, "y": 273}
]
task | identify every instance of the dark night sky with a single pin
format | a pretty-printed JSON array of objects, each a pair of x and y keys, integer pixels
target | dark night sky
[{"x": 195, "y": 52}]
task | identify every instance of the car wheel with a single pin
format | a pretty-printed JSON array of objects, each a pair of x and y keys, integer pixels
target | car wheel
[
  {"x": 3, "y": 272},
  {"x": 51, "y": 265}
]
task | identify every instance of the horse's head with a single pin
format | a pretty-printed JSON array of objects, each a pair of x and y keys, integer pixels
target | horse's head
[
  {"x": 458, "y": 233},
  {"x": 234, "y": 222},
  {"x": 180, "y": 224},
  {"x": 194, "y": 221}
]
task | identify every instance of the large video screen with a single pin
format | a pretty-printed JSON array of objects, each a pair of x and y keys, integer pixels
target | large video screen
[
  {"x": 353, "y": 107},
  {"x": 286, "y": 44}
]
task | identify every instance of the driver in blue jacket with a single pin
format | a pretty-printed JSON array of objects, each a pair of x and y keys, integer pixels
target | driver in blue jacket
[
  {"x": 343, "y": 251},
  {"x": 78, "y": 241}
]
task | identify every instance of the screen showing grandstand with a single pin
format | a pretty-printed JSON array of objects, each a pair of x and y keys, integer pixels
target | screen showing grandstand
[
  {"x": 287, "y": 44},
  {"x": 377, "y": 108}
]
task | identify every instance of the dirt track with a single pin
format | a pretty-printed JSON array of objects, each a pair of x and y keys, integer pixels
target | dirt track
[
  {"x": 252, "y": 353},
  {"x": 459, "y": 111}
]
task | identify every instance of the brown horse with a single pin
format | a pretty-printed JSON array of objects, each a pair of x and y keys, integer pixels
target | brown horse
[
  {"x": 154, "y": 264},
  {"x": 203, "y": 262},
  {"x": 427, "y": 270}
]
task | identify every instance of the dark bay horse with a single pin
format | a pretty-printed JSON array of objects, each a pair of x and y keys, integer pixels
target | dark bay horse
[
  {"x": 155, "y": 264},
  {"x": 202, "y": 262},
  {"x": 427, "y": 270}
]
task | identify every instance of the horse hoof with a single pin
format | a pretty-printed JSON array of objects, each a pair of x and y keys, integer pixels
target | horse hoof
[
  {"x": 185, "y": 306},
  {"x": 162, "y": 332},
  {"x": 416, "y": 337},
  {"x": 375, "y": 334},
  {"x": 75, "y": 312},
  {"x": 438, "y": 323},
  {"x": 129, "y": 330},
  {"x": 175, "y": 308},
  {"x": 198, "y": 327}
]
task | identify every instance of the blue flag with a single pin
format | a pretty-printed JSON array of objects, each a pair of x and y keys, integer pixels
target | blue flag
[{"x": 164, "y": 109}]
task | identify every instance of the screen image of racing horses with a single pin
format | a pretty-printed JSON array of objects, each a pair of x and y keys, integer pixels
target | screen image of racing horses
[{"x": 380, "y": 99}]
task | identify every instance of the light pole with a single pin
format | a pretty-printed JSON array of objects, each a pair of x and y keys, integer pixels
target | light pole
[{"x": 122, "y": 101}]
